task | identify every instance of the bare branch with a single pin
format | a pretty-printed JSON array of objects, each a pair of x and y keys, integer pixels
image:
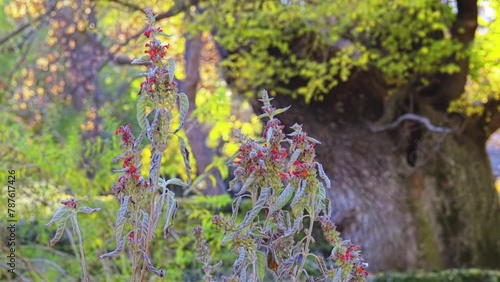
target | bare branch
[
  {"x": 127, "y": 4},
  {"x": 425, "y": 121},
  {"x": 24, "y": 26}
]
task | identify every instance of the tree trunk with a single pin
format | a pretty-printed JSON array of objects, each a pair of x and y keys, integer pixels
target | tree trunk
[
  {"x": 198, "y": 133},
  {"x": 410, "y": 200}
]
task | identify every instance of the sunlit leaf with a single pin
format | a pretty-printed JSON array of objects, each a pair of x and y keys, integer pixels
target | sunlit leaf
[
  {"x": 183, "y": 109},
  {"x": 141, "y": 111}
]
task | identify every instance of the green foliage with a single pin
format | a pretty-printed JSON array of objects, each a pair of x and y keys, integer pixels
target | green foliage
[
  {"x": 325, "y": 41},
  {"x": 455, "y": 275}
]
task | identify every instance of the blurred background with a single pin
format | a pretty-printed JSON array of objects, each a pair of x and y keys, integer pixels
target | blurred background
[{"x": 404, "y": 96}]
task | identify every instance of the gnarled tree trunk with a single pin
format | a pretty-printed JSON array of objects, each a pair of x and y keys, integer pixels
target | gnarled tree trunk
[{"x": 417, "y": 199}]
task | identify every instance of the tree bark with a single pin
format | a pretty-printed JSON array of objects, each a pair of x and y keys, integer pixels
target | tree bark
[
  {"x": 410, "y": 200},
  {"x": 198, "y": 133}
]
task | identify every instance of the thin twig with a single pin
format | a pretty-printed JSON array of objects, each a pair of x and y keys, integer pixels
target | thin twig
[{"x": 26, "y": 25}]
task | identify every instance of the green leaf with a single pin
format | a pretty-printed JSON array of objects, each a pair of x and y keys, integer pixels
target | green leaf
[
  {"x": 141, "y": 111},
  {"x": 62, "y": 211},
  {"x": 294, "y": 157},
  {"x": 185, "y": 155},
  {"x": 164, "y": 34},
  {"x": 170, "y": 212},
  {"x": 228, "y": 238},
  {"x": 141, "y": 61},
  {"x": 269, "y": 134},
  {"x": 183, "y": 109},
  {"x": 174, "y": 181},
  {"x": 88, "y": 210},
  {"x": 120, "y": 220},
  {"x": 283, "y": 199},
  {"x": 279, "y": 111},
  {"x": 261, "y": 201},
  {"x": 119, "y": 248},
  {"x": 171, "y": 69},
  {"x": 261, "y": 265},
  {"x": 323, "y": 175},
  {"x": 61, "y": 225},
  {"x": 247, "y": 183}
]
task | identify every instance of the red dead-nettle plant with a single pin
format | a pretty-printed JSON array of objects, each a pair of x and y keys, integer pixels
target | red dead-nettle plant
[
  {"x": 144, "y": 200},
  {"x": 69, "y": 211},
  {"x": 286, "y": 186}
]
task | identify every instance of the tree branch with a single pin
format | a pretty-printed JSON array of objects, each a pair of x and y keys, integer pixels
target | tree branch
[
  {"x": 24, "y": 26},
  {"x": 425, "y": 121}
]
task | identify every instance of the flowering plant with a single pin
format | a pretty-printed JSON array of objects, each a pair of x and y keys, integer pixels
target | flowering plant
[
  {"x": 69, "y": 211},
  {"x": 286, "y": 185},
  {"x": 274, "y": 177},
  {"x": 143, "y": 200}
]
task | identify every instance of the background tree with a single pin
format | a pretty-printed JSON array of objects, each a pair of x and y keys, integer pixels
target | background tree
[{"x": 403, "y": 95}]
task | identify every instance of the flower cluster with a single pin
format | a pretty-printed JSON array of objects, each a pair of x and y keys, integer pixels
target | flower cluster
[
  {"x": 156, "y": 51},
  {"x": 347, "y": 256},
  {"x": 70, "y": 203},
  {"x": 127, "y": 135}
]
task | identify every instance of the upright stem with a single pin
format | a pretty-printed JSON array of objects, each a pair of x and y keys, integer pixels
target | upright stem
[
  {"x": 306, "y": 249},
  {"x": 80, "y": 243},
  {"x": 154, "y": 189}
]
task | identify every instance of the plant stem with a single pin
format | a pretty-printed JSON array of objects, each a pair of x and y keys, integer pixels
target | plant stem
[
  {"x": 154, "y": 188},
  {"x": 80, "y": 242},
  {"x": 136, "y": 259},
  {"x": 306, "y": 249}
]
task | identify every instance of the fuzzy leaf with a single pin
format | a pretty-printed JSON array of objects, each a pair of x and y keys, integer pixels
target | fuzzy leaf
[
  {"x": 119, "y": 248},
  {"x": 241, "y": 257},
  {"x": 261, "y": 201},
  {"x": 164, "y": 34},
  {"x": 88, "y": 210},
  {"x": 141, "y": 61},
  {"x": 141, "y": 111},
  {"x": 58, "y": 214},
  {"x": 236, "y": 207},
  {"x": 299, "y": 193},
  {"x": 61, "y": 225},
  {"x": 323, "y": 175},
  {"x": 263, "y": 115},
  {"x": 174, "y": 181},
  {"x": 142, "y": 74},
  {"x": 310, "y": 139},
  {"x": 228, "y": 238},
  {"x": 185, "y": 156},
  {"x": 283, "y": 199},
  {"x": 279, "y": 111},
  {"x": 183, "y": 109},
  {"x": 247, "y": 183},
  {"x": 171, "y": 69},
  {"x": 231, "y": 160},
  {"x": 269, "y": 134},
  {"x": 294, "y": 157},
  {"x": 140, "y": 39},
  {"x": 120, "y": 220},
  {"x": 151, "y": 268},
  {"x": 261, "y": 265},
  {"x": 195, "y": 182},
  {"x": 232, "y": 183},
  {"x": 170, "y": 212}
]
